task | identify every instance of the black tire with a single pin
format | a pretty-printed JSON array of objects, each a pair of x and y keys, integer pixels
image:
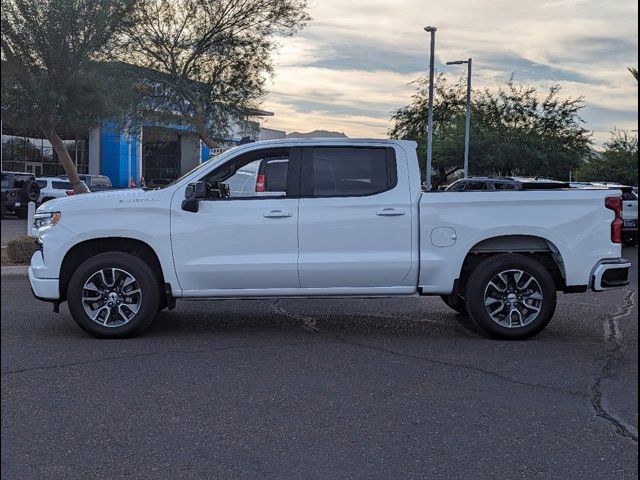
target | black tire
[
  {"x": 30, "y": 191},
  {"x": 146, "y": 281},
  {"x": 456, "y": 302},
  {"x": 478, "y": 284},
  {"x": 22, "y": 212}
]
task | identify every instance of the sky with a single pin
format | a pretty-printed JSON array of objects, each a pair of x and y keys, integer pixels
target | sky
[{"x": 353, "y": 64}]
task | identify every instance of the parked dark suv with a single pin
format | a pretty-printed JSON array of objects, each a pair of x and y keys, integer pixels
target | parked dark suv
[
  {"x": 96, "y": 183},
  {"x": 18, "y": 189},
  {"x": 477, "y": 184}
]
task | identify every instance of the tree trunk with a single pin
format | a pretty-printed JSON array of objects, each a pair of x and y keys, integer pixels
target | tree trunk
[
  {"x": 49, "y": 130},
  {"x": 441, "y": 178},
  {"x": 202, "y": 132}
]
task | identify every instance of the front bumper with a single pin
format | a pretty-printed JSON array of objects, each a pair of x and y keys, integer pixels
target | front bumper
[
  {"x": 610, "y": 274},
  {"x": 43, "y": 288}
]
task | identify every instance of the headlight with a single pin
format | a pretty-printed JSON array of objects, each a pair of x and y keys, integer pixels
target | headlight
[{"x": 41, "y": 220}]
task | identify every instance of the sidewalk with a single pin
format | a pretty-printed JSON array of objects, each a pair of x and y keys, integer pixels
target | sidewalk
[{"x": 15, "y": 270}]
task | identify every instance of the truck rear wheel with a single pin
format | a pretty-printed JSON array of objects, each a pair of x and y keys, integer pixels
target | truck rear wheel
[
  {"x": 510, "y": 297},
  {"x": 113, "y": 295}
]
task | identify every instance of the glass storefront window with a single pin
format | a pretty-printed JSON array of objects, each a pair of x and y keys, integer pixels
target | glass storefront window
[{"x": 36, "y": 155}]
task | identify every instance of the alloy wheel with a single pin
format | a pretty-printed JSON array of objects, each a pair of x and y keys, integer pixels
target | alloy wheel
[
  {"x": 513, "y": 298},
  {"x": 111, "y": 297}
]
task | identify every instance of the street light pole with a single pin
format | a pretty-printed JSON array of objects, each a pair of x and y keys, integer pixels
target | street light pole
[
  {"x": 432, "y": 31},
  {"x": 467, "y": 123}
]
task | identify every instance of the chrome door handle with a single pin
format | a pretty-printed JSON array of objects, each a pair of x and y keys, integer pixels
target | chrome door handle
[
  {"x": 390, "y": 212},
  {"x": 276, "y": 214}
]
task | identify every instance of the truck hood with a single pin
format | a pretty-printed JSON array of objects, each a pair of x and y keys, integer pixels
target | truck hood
[{"x": 99, "y": 200}]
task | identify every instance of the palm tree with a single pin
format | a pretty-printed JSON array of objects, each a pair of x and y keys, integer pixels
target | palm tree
[{"x": 634, "y": 72}]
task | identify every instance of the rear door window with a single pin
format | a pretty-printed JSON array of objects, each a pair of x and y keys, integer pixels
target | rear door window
[
  {"x": 344, "y": 172},
  {"x": 61, "y": 185},
  {"x": 42, "y": 183}
]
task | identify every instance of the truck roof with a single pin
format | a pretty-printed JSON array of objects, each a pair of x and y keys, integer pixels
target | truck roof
[{"x": 328, "y": 141}]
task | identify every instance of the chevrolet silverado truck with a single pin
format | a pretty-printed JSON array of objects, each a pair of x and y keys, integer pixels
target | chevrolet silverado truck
[{"x": 342, "y": 218}]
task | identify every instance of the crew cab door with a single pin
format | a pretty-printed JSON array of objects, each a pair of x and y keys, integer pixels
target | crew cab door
[
  {"x": 247, "y": 241},
  {"x": 355, "y": 225}
]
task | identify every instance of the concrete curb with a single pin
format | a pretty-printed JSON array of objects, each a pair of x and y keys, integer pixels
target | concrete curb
[{"x": 19, "y": 270}]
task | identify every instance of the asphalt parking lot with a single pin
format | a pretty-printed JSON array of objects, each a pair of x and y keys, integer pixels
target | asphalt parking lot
[{"x": 401, "y": 388}]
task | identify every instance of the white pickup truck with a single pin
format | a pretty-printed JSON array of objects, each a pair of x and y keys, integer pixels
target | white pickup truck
[{"x": 325, "y": 217}]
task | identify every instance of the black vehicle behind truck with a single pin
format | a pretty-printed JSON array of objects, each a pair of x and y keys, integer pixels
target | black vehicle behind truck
[
  {"x": 17, "y": 190},
  {"x": 95, "y": 183},
  {"x": 477, "y": 184}
]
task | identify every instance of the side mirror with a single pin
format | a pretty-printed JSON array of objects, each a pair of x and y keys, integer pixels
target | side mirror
[
  {"x": 193, "y": 193},
  {"x": 190, "y": 205},
  {"x": 200, "y": 190},
  {"x": 197, "y": 190}
]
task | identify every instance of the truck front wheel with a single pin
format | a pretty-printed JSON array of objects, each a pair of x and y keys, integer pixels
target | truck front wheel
[
  {"x": 510, "y": 297},
  {"x": 113, "y": 295}
]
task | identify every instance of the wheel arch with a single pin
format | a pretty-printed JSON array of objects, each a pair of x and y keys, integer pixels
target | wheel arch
[
  {"x": 538, "y": 248},
  {"x": 88, "y": 248}
]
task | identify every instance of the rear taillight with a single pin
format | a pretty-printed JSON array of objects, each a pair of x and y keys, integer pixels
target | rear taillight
[
  {"x": 261, "y": 181},
  {"x": 70, "y": 192},
  {"x": 615, "y": 204}
]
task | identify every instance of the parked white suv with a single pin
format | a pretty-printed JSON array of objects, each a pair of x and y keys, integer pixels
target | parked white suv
[
  {"x": 346, "y": 218},
  {"x": 53, "y": 187}
]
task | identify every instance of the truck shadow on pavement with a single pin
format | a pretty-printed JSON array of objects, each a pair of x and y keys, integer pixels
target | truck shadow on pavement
[{"x": 278, "y": 315}]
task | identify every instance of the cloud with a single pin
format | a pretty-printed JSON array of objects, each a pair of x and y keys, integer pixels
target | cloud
[{"x": 352, "y": 66}]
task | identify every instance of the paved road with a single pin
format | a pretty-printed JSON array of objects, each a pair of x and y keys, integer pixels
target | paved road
[
  {"x": 320, "y": 389},
  {"x": 12, "y": 227}
]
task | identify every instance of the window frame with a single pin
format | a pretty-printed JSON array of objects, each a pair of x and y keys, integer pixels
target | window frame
[
  {"x": 307, "y": 177},
  {"x": 293, "y": 172}
]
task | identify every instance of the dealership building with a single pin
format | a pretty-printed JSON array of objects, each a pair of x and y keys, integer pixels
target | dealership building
[{"x": 154, "y": 151}]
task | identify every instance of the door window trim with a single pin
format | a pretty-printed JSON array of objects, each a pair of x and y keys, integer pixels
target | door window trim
[
  {"x": 306, "y": 174},
  {"x": 293, "y": 172}
]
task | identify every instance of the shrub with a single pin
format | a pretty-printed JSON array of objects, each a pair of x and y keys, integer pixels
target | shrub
[{"x": 20, "y": 249}]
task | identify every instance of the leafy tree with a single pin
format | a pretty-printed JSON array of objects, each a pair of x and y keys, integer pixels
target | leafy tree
[
  {"x": 54, "y": 77},
  {"x": 205, "y": 60},
  {"x": 409, "y": 123},
  {"x": 618, "y": 163},
  {"x": 514, "y": 130}
]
